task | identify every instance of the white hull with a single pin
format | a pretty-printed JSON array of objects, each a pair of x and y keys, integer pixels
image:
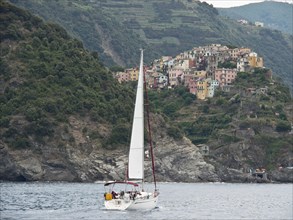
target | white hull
[{"x": 146, "y": 201}]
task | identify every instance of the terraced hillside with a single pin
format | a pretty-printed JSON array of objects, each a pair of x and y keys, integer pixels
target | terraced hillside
[
  {"x": 116, "y": 29},
  {"x": 275, "y": 15}
]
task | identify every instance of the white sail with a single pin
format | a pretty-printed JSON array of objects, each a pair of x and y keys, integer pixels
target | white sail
[{"x": 136, "y": 153}]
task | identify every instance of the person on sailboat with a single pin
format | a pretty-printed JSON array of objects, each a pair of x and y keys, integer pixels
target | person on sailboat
[
  {"x": 122, "y": 193},
  {"x": 114, "y": 195}
]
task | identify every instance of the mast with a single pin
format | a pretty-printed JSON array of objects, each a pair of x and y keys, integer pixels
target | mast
[{"x": 149, "y": 130}]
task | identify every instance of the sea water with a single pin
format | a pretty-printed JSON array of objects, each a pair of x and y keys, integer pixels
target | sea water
[{"x": 177, "y": 201}]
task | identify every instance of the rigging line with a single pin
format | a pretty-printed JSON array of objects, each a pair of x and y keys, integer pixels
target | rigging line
[{"x": 149, "y": 130}]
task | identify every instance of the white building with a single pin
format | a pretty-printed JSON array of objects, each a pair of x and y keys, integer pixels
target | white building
[
  {"x": 242, "y": 64},
  {"x": 259, "y": 24},
  {"x": 212, "y": 86}
]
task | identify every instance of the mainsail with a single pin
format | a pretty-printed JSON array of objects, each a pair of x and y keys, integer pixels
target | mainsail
[{"x": 136, "y": 153}]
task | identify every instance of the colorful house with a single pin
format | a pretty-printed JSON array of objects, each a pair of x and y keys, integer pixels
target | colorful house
[
  {"x": 200, "y": 74},
  {"x": 123, "y": 77},
  {"x": 244, "y": 51},
  {"x": 133, "y": 72},
  {"x": 254, "y": 60},
  {"x": 225, "y": 76},
  {"x": 192, "y": 85},
  {"x": 183, "y": 64},
  {"x": 201, "y": 89},
  {"x": 175, "y": 76},
  {"x": 211, "y": 87},
  {"x": 243, "y": 65}
]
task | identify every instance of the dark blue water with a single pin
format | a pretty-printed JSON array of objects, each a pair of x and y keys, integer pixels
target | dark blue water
[{"x": 177, "y": 201}]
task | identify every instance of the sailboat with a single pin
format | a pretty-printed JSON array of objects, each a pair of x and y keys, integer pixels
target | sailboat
[{"x": 134, "y": 196}]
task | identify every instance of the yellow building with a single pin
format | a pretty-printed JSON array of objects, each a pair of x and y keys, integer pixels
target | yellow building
[
  {"x": 200, "y": 74},
  {"x": 202, "y": 89},
  {"x": 255, "y": 61},
  {"x": 133, "y": 72}
]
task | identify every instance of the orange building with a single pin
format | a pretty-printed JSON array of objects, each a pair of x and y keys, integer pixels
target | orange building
[{"x": 254, "y": 60}]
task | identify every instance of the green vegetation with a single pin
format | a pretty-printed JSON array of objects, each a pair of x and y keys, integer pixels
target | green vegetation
[
  {"x": 256, "y": 78},
  {"x": 235, "y": 117},
  {"x": 174, "y": 132},
  {"x": 120, "y": 136},
  {"x": 274, "y": 148},
  {"x": 227, "y": 64},
  {"x": 283, "y": 126},
  {"x": 89, "y": 23},
  {"x": 170, "y": 102},
  {"x": 48, "y": 76}
]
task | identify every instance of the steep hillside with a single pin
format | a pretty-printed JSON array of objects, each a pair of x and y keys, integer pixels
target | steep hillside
[
  {"x": 164, "y": 27},
  {"x": 89, "y": 22},
  {"x": 243, "y": 129},
  {"x": 51, "y": 86},
  {"x": 63, "y": 117},
  {"x": 275, "y": 15}
]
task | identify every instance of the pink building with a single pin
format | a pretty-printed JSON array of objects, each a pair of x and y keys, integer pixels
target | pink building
[
  {"x": 123, "y": 77},
  {"x": 187, "y": 79},
  {"x": 192, "y": 86},
  {"x": 225, "y": 76},
  {"x": 175, "y": 75}
]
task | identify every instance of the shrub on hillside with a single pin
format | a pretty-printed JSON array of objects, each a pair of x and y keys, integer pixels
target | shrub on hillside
[
  {"x": 283, "y": 126},
  {"x": 174, "y": 132}
]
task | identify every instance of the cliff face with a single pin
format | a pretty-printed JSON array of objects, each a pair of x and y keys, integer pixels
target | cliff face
[{"x": 175, "y": 161}]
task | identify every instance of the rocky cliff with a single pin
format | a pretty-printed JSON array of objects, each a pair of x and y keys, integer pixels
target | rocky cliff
[{"x": 175, "y": 161}]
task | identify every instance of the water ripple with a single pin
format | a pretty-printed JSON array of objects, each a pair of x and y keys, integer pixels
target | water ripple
[{"x": 177, "y": 201}]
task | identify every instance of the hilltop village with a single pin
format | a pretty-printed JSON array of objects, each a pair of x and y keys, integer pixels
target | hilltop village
[{"x": 202, "y": 70}]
